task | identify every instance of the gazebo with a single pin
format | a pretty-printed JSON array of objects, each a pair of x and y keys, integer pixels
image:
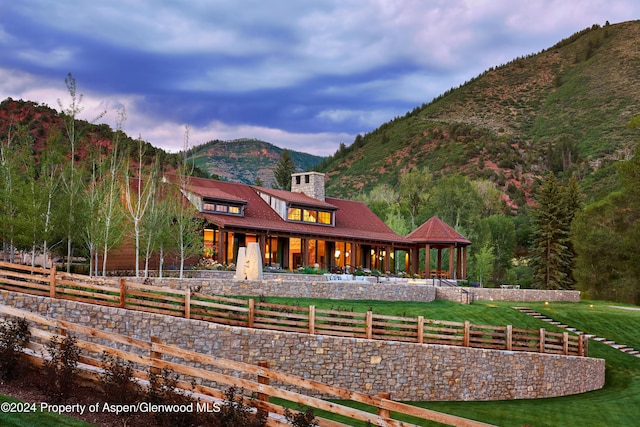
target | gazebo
[{"x": 436, "y": 234}]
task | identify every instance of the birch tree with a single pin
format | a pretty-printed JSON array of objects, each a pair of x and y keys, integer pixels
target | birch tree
[{"x": 138, "y": 193}]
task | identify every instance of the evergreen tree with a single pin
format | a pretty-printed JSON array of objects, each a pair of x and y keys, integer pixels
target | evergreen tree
[
  {"x": 552, "y": 252},
  {"x": 283, "y": 171}
]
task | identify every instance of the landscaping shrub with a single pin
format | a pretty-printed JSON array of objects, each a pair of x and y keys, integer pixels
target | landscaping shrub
[
  {"x": 301, "y": 419},
  {"x": 14, "y": 336},
  {"x": 163, "y": 389},
  {"x": 118, "y": 382},
  {"x": 61, "y": 367},
  {"x": 234, "y": 412}
]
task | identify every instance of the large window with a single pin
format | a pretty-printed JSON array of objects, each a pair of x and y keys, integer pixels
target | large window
[{"x": 313, "y": 216}]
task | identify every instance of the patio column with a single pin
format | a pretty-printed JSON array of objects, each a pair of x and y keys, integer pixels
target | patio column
[
  {"x": 427, "y": 258},
  {"x": 451, "y": 249},
  {"x": 459, "y": 262}
]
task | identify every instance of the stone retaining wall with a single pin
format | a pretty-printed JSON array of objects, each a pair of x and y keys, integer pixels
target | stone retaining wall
[
  {"x": 408, "y": 371},
  {"x": 355, "y": 290},
  {"x": 498, "y": 294},
  {"x": 309, "y": 286}
]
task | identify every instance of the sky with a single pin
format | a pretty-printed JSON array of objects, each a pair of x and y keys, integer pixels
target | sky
[{"x": 305, "y": 75}]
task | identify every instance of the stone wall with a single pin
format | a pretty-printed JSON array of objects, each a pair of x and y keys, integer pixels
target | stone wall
[
  {"x": 303, "y": 287},
  {"x": 310, "y": 286},
  {"x": 498, "y": 294},
  {"x": 408, "y": 371}
]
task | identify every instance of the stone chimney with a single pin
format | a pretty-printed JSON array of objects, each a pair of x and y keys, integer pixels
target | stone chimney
[{"x": 309, "y": 183}]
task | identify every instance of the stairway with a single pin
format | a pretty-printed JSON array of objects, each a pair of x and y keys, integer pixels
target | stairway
[{"x": 621, "y": 347}]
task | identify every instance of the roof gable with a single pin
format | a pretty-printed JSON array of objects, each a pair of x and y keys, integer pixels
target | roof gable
[{"x": 436, "y": 231}]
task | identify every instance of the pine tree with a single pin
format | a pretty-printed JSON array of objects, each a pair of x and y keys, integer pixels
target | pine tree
[
  {"x": 552, "y": 253},
  {"x": 283, "y": 171}
]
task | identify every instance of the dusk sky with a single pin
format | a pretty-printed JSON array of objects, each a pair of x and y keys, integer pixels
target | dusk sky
[{"x": 305, "y": 75}]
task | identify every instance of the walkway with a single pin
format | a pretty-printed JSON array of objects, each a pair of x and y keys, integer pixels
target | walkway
[{"x": 623, "y": 348}]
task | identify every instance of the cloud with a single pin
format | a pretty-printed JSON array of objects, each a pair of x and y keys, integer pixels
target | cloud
[{"x": 297, "y": 74}]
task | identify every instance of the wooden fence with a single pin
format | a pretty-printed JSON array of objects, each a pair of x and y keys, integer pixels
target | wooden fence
[
  {"x": 255, "y": 314},
  {"x": 155, "y": 355}
]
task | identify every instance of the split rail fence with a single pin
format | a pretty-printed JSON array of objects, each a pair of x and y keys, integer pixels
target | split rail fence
[
  {"x": 255, "y": 314},
  {"x": 211, "y": 372}
]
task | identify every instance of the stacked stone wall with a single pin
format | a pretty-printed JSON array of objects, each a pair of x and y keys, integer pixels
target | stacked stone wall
[
  {"x": 309, "y": 286},
  {"x": 408, "y": 371},
  {"x": 461, "y": 294}
]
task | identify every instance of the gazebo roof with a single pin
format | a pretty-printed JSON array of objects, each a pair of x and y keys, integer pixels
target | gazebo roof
[{"x": 437, "y": 232}]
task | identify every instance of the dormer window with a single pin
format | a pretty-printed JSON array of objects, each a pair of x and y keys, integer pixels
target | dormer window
[
  {"x": 222, "y": 208},
  {"x": 308, "y": 215}
]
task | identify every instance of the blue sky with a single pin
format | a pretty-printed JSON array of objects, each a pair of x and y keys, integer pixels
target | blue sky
[{"x": 301, "y": 74}]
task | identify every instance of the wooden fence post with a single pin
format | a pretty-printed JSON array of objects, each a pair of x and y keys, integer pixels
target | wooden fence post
[
  {"x": 565, "y": 343},
  {"x": 509, "y": 337},
  {"x": 263, "y": 397},
  {"x": 123, "y": 291},
  {"x": 369, "y": 324},
  {"x": 312, "y": 319},
  {"x": 252, "y": 312},
  {"x": 466, "y": 340},
  {"x": 384, "y": 413},
  {"x": 420, "y": 329},
  {"x": 541, "y": 348},
  {"x": 52, "y": 282},
  {"x": 585, "y": 345},
  {"x": 187, "y": 304},
  {"x": 155, "y": 355}
]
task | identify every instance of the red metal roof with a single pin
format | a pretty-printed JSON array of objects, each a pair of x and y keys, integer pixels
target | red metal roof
[
  {"x": 436, "y": 231},
  {"x": 353, "y": 220}
]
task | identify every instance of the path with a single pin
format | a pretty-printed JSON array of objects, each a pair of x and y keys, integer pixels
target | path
[{"x": 623, "y": 348}]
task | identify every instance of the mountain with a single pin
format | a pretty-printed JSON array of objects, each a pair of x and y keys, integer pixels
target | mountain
[
  {"x": 564, "y": 109},
  {"x": 245, "y": 160}
]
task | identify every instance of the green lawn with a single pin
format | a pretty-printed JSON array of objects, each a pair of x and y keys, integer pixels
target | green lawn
[
  {"x": 37, "y": 419},
  {"x": 617, "y": 404}
]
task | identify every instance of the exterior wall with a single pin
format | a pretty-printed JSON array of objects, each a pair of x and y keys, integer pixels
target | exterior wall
[
  {"x": 499, "y": 294},
  {"x": 408, "y": 371}
]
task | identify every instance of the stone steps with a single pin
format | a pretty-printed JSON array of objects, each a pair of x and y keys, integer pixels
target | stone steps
[{"x": 620, "y": 347}]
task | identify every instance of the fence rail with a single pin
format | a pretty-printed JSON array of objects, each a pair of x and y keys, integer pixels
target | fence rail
[
  {"x": 209, "y": 372},
  {"x": 256, "y": 314}
]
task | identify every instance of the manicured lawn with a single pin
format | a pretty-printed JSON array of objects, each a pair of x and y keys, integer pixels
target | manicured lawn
[
  {"x": 37, "y": 419},
  {"x": 617, "y": 404}
]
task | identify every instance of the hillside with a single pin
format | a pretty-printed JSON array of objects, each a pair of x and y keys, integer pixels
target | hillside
[
  {"x": 564, "y": 109},
  {"x": 245, "y": 160}
]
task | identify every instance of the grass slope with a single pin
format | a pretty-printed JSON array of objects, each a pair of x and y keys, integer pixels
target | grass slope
[{"x": 617, "y": 404}]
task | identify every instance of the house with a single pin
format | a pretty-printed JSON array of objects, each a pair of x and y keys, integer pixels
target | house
[{"x": 303, "y": 227}]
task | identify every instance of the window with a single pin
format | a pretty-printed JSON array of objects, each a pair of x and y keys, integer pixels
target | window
[
  {"x": 310, "y": 216},
  {"x": 221, "y": 208},
  {"x": 306, "y": 179},
  {"x": 324, "y": 217},
  {"x": 294, "y": 214}
]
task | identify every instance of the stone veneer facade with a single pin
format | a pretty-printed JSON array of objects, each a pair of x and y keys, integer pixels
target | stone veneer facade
[{"x": 408, "y": 371}]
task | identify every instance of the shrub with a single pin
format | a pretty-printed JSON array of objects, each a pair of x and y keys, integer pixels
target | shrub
[
  {"x": 61, "y": 367},
  {"x": 163, "y": 389},
  {"x": 14, "y": 336},
  {"x": 301, "y": 419},
  {"x": 118, "y": 382},
  {"x": 234, "y": 412}
]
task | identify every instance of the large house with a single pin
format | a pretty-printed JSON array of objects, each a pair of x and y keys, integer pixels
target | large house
[{"x": 303, "y": 227}]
